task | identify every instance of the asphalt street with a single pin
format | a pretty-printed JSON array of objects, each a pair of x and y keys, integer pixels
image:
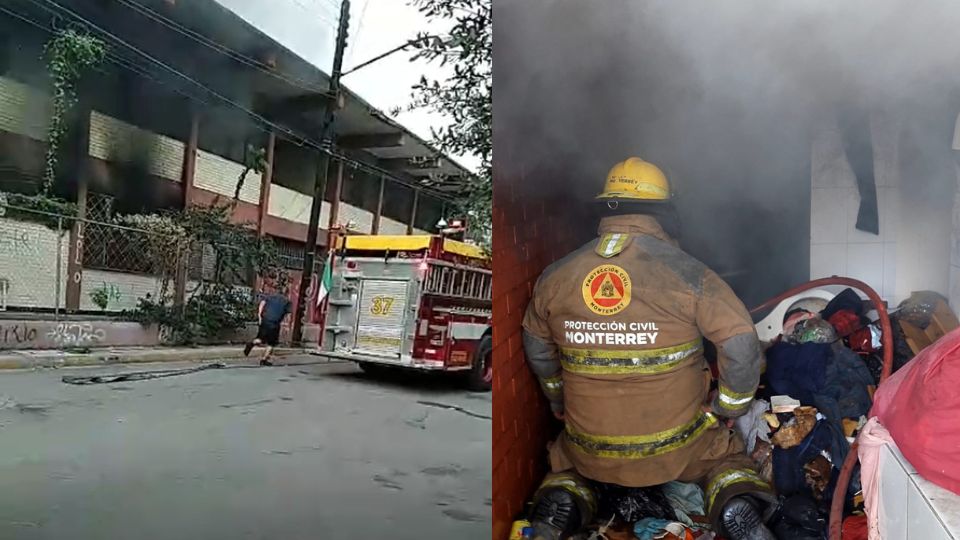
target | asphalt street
[{"x": 298, "y": 452}]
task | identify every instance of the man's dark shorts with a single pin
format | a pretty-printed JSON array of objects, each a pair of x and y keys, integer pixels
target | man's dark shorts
[{"x": 269, "y": 333}]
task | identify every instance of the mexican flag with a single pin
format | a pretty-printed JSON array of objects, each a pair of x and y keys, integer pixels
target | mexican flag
[{"x": 326, "y": 281}]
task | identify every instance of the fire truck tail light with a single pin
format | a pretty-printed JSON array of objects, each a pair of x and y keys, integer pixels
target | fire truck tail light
[{"x": 352, "y": 265}]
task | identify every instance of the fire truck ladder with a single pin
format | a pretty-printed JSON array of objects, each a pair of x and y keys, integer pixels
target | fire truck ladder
[{"x": 454, "y": 281}]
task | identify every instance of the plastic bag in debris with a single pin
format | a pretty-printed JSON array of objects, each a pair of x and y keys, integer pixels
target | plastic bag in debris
[
  {"x": 798, "y": 518},
  {"x": 865, "y": 340},
  {"x": 812, "y": 330},
  {"x": 753, "y": 426},
  {"x": 630, "y": 504},
  {"x": 919, "y": 404},
  {"x": 918, "y": 309},
  {"x": 656, "y": 529}
]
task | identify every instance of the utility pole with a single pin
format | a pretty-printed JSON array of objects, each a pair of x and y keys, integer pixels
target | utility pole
[{"x": 327, "y": 132}]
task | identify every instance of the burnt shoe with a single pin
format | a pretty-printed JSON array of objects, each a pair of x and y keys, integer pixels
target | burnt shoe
[
  {"x": 266, "y": 363},
  {"x": 247, "y": 348},
  {"x": 741, "y": 520}
]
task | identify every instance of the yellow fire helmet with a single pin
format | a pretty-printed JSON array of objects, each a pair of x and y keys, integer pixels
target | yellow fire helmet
[{"x": 635, "y": 180}]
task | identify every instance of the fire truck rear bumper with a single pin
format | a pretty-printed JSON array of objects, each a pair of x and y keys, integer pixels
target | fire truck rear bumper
[{"x": 410, "y": 363}]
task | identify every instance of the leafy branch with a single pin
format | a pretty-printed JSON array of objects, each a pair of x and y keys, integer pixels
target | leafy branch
[
  {"x": 465, "y": 97},
  {"x": 69, "y": 53},
  {"x": 254, "y": 159},
  {"x": 219, "y": 302}
]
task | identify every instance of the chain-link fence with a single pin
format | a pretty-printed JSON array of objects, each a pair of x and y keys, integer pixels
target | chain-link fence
[{"x": 117, "y": 264}]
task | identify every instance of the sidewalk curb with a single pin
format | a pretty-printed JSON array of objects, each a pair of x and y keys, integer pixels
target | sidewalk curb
[{"x": 58, "y": 359}]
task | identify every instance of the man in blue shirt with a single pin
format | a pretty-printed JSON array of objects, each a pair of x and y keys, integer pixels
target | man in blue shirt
[{"x": 273, "y": 308}]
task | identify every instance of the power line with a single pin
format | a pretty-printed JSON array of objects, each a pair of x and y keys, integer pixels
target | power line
[
  {"x": 219, "y": 47},
  {"x": 320, "y": 146},
  {"x": 259, "y": 121},
  {"x": 356, "y": 35},
  {"x": 320, "y": 14}
]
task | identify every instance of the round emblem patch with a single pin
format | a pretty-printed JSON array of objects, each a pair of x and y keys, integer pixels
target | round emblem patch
[{"x": 606, "y": 290}]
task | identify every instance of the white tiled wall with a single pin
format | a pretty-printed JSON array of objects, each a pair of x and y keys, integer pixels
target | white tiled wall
[
  {"x": 390, "y": 226},
  {"x": 112, "y": 139},
  {"x": 24, "y": 110},
  {"x": 954, "y": 292},
  {"x": 28, "y": 262},
  {"x": 220, "y": 175},
  {"x": 910, "y": 253},
  {"x": 911, "y": 507},
  {"x": 292, "y": 205},
  {"x": 295, "y": 206},
  {"x": 362, "y": 219}
]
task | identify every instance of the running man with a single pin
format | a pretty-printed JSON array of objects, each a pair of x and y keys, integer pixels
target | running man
[{"x": 273, "y": 308}]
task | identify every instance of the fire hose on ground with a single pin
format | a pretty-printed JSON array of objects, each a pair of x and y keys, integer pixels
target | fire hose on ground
[{"x": 886, "y": 338}]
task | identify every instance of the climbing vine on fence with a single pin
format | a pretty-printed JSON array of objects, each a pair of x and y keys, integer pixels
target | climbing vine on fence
[
  {"x": 221, "y": 301},
  {"x": 69, "y": 54},
  {"x": 50, "y": 212}
]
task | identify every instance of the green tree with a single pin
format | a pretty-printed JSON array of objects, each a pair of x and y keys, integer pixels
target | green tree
[{"x": 464, "y": 96}]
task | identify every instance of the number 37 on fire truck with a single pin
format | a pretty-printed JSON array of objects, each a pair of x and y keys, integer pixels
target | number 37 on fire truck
[{"x": 414, "y": 302}]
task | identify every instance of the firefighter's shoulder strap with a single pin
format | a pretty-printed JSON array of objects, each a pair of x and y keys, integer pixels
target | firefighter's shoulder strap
[{"x": 612, "y": 244}]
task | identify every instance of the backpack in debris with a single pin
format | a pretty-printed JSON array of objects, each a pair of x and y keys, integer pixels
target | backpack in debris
[
  {"x": 798, "y": 517},
  {"x": 788, "y": 473}
]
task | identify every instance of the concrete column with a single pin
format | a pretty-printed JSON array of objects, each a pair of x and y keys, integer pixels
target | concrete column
[
  {"x": 265, "y": 184},
  {"x": 190, "y": 158},
  {"x": 337, "y": 194},
  {"x": 375, "y": 227},
  {"x": 413, "y": 211},
  {"x": 189, "y": 170},
  {"x": 80, "y": 167}
]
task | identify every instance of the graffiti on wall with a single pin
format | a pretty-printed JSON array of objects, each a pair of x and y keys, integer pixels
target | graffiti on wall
[
  {"x": 17, "y": 333},
  {"x": 76, "y": 334},
  {"x": 14, "y": 242}
]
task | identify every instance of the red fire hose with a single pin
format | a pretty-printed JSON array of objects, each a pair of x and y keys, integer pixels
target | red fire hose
[{"x": 886, "y": 339}]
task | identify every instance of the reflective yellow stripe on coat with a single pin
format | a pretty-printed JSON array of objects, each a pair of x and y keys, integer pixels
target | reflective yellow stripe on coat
[
  {"x": 599, "y": 362},
  {"x": 640, "y": 446},
  {"x": 730, "y": 477},
  {"x": 552, "y": 386},
  {"x": 734, "y": 400}
]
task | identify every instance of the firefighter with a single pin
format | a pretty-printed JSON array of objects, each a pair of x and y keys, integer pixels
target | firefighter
[{"x": 614, "y": 335}]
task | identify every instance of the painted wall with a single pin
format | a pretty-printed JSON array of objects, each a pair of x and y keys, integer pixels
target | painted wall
[
  {"x": 124, "y": 289},
  {"x": 32, "y": 334},
  {"x": 28, "y": 263}
]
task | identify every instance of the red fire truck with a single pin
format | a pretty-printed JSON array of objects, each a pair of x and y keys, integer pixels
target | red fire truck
[{"x": 415, "y": 302}]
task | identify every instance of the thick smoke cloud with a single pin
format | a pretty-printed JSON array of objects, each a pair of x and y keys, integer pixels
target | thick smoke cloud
[{"x": 726, "y": 97}]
